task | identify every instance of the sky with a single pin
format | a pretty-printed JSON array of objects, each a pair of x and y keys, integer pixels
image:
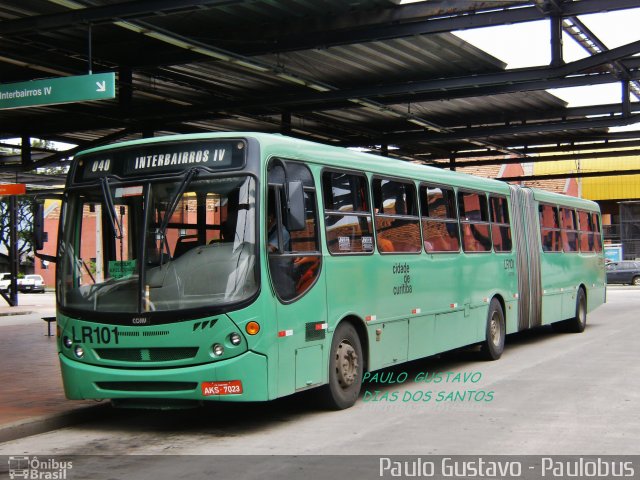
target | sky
[{"x": 528, "y": 45}]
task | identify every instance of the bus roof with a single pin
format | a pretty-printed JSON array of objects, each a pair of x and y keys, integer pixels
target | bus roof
[{"x": 558, "y": 198}]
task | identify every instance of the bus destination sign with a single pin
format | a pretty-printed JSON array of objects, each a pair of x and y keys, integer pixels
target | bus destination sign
[{"x": 163, "y": 158}]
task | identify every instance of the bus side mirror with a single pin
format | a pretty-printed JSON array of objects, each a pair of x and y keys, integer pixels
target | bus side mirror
[
  {"x": 39, "y": 233},
  {"x": 296, "y": 216},
  {"x": 38, "y": 226}
]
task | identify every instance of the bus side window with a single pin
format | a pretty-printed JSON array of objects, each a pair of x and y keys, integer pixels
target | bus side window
[
  {"x": 439, "y": 219},
  {"x": 474, "y": 222},
  {"x": 569, "y": 230},
  {"x": 586, "y": 231},
  {"x": 500, "y": 229},
  {"x": 549, "y": 228},
  {"x": 597, "y": 237},
  {"x": 347, "y": 215},
  {"x": 396, "y": 216}
]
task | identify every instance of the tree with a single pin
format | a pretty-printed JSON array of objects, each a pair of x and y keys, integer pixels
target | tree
[
  {"x": 24, "y": 209},
  {"x": 24, "y": 225}
]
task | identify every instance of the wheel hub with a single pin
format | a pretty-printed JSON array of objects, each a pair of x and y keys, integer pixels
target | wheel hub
[
  {"x": 346, "y": 364},
  {"x": 494, "y": 329}
]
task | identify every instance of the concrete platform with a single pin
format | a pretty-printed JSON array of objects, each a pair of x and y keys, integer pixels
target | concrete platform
[{"x": 32, "y": 398}]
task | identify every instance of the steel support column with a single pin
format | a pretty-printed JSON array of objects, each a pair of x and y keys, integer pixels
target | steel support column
[
  {"x": 14, "y": 259},
  {"x": 125, "y": 86},
  {"x": 626, "y": 98},
  {"x": 285, "y": 123},
  {"x": 25, "y": 151},
  {"x": 557, "y": 58}
]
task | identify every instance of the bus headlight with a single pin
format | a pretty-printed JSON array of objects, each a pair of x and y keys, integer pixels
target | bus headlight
[
  {"x": 235, "y": 338},
  {"x": 66, "y": 341},
  {"x": 217, "y": 349},
  {"x": 78, "y": 351}
]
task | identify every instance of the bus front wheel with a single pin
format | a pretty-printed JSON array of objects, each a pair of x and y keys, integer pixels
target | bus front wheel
[
  {"x": 345, "y": 369},
  {"x": 495, "y": 332}
]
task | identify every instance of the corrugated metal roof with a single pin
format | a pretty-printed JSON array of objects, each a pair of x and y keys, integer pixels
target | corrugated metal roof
[{"x": 228, "y": 86}]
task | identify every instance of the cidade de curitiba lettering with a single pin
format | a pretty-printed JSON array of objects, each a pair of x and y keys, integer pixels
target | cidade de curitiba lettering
[{"x": 180, "y": 158}]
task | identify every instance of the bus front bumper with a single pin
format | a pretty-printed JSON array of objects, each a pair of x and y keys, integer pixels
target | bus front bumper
[{"x": 240, "y": 379}]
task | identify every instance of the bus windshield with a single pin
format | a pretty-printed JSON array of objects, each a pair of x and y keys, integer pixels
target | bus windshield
[{"x": 159, "y": 246}]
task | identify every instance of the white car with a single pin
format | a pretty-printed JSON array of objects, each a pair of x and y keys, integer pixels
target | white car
[
  {"x": 31, "y": 283},
  {"x": 5, "y": 281}
]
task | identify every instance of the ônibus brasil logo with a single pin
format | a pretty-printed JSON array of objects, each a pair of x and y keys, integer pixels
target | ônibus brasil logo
[{"x": 35, "y": 469}]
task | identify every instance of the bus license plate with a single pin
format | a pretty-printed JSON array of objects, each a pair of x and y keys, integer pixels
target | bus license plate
[{"x": 231, "y": 387}]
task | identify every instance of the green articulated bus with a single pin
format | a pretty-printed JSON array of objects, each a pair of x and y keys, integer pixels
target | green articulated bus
[{"x": 249, "y": 266}]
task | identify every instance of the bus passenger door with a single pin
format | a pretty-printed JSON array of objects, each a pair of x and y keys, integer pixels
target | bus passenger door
[{"x": 296, "y": 278}]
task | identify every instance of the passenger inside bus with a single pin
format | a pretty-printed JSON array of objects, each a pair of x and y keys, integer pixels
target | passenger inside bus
[{"x": 272, "y": 229}]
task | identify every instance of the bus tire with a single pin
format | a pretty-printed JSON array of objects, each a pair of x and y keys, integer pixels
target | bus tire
[
  {"x": 345, "y": 369},
  {"x": 495, "y": 332},
  {"x": 578, "y": 323}
]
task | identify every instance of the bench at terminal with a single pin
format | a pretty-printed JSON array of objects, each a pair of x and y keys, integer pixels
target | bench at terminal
[{"x": 49, "y": 320}]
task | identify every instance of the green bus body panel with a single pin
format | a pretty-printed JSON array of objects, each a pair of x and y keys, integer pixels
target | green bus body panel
[
  {"x": 188, "y": 342},
  {"x": 407, "y": 306},
  {"x": 309, "y": 366},
  {"x": 81, "y": 380}
]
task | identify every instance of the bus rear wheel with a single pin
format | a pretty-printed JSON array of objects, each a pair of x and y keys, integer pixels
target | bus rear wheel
[
  {"x": 578, "y": 323},
  {"x": 345, "y": 369},
  {"x": 495, "y": 332}
]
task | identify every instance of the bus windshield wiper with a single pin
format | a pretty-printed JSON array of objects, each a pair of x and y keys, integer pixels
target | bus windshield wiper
[
  {"x": 111, "y": 208},
  {"x": 186, "y": 181}
]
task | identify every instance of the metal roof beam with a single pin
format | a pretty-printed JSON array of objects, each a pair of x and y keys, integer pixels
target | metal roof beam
[
  {"x": 510, "y": 76},
  {"x": 574, "y": 136},
  {"x": 592, "y": 44},
  {"x": 408, "y": 94},
  {"x": 409, "y": 20},
  {"x": 547, "y": 158},
  {"x": 488, "y": 133},
  {"x": 169, "y": 114},
  {"x": 564, "y": 147},
  {"x": 65, "y": 154},
  {"x": 105, "y": 14},
  {"x": 514, "y": 117}
]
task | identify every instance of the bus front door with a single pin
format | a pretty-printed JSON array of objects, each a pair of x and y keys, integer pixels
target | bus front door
[
  {"x": 297, "y": 280},
  {"x": 302, "y": 328}
]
